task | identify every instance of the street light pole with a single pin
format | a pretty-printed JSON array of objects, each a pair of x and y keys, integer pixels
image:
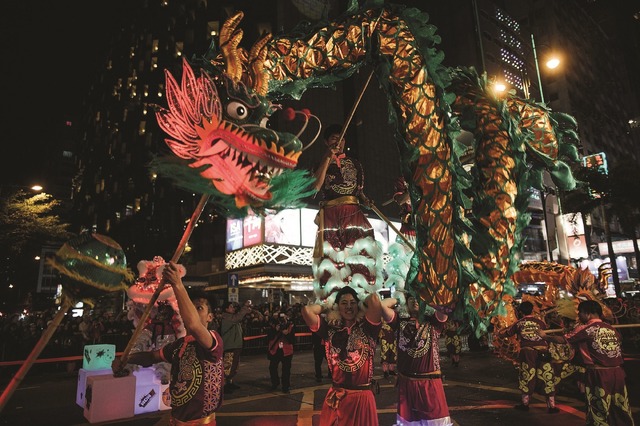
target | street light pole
[{"x": 535, "y": 61}]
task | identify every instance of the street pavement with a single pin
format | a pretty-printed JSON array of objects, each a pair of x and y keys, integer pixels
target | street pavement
[{"x": 481, "y": 391}]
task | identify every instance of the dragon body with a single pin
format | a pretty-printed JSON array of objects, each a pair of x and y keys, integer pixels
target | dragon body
[{"x": 467, "y": 225}]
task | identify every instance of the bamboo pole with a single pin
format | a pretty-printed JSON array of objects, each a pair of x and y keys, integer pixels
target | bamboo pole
[
  {"x": 35, "y": 353},
  {"x": 176, "y": 256},
  {"x": 558, "y": 330},
  {"x": 386, "y": 219}
]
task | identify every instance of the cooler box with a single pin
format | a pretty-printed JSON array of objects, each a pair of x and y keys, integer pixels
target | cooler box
[
  {"x": 109, "y": 398},
  {"x": 147, "y": 398},
  {"x": 82, "y": 382},
  {"x": 165, "y": 398},
  {"x": 98, "y": 357}
]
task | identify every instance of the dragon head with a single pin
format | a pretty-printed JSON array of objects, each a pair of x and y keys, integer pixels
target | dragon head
[{"x": 217, "y": 121}]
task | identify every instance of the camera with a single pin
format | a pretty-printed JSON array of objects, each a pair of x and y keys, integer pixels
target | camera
[{"x": 282, "y": 320}]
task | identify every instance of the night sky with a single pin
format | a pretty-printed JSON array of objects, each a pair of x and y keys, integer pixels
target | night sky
[{"x": 51, "y": 50}]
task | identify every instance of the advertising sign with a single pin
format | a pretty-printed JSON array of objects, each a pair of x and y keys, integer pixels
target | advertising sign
[
  {"x": 252, "y": 230},
  {"x": 282, "y": 227},
  {"x": 577, "y": 247},
  {"x": 308, "y": 227},
  {"x": 234, "y": 234}
]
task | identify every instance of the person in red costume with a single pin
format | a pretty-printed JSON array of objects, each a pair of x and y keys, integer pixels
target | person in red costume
[
  {"x": 535, "y": 369},
  {"x": 346, "y": 251},
  {"x": 600, "y": 348},
  {"x": 351, "y": 345},
  {"x": 421, "y": 398},
  {"x": 196, "y": 360}
]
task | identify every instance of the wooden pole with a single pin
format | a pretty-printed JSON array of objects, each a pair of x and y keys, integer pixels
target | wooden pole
[
  {"x": 558, "y": 330},
  {"x": 176, "y": 256},
  {"x": 386, "y": 219},
  {"x": 35, "y": 353}
]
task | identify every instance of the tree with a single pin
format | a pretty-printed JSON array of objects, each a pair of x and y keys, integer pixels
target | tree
[{"x": 26, "y": 223}]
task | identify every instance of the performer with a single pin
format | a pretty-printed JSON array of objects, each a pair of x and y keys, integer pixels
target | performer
[
  {"x": 281, "y": 338},
  {"x": 535, "y": 369},
  {"x": 600, "y": 348},
  {"x": 388, "y": 350},
  {"x": 421, "y": 398},
  {"x": 196, "y": 359},
  {"x": 452, "y": 341},
  {"x": 346, "y": 252},
  {"x": 350, "y": 344}
]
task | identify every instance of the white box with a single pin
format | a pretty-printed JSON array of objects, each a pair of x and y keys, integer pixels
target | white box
[
  {"x": 165, "y": 398},
  {"x": 109, "y": 398},
  {"x": 82, "y": 382},
  {"x": 145, "y": 375},
  {"x": 147, "y": 398},
  {"x": 98, "y": 357}
]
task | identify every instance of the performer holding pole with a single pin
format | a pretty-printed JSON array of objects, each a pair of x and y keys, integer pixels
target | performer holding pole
[{"x": 346, "y": 252}]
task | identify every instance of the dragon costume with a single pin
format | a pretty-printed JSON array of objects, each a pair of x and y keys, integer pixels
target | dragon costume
[{"x": 467, "y": 225}]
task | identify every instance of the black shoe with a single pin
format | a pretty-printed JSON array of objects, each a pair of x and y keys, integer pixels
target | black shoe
[
  {"x": 286, "y": 391},
  {"x": 521, "y": 407},
  {"x": 274, "y": 387},
  {"x": 553, "y": 410}
]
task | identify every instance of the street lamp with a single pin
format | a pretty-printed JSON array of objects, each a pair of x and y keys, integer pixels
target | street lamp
[{"x": 552, "y": 63}]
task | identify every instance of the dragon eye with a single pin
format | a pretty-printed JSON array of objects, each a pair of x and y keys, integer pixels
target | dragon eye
[{"x": 237, "y": 110}]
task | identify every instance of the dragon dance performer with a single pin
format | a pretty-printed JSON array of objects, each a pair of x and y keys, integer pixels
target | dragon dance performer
[
  {"x": 346, "y": 252},
  {"x": 196, "y": 359},
  {"x": 421, "y": 397},
  {"x": 388, "y": 350},
  {"x": 535, "y": 369},
  {"x": 600, "y": 348},
  {"x": 350, "y": 346},
  {"x": 452, "y": 341}
]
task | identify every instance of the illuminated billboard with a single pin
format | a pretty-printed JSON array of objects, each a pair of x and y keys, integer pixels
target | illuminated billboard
[
  {"x": 234, "y": 234},
  {"x": 283, "y": 227},
  {"x": 252, "y": 230}
]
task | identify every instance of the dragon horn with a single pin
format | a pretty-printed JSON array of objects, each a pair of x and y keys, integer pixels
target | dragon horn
[
  {"x": 229, "y": 40},
  {"x": 257, "y": 57}
]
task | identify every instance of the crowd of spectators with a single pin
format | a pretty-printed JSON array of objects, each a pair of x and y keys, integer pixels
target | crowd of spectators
[{"x": 19, "y": 333}]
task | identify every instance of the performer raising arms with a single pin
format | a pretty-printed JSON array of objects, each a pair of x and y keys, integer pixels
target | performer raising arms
[
  {"x": 421, "y": 398},
  {"x": 350, "y": 345}
]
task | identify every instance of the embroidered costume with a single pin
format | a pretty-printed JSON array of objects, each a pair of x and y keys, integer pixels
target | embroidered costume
[
  {"x": 345, "y": 244},
  {"x": 535, "y": 370},
  {"x": 388, "y": 350},
  {"x": 350, "y": 354},
  {"x": 421, "y": 398},
  {"x": 599, "y": 347},
  {"x": 196, "y": 380},
  {"x": 452, "y": 341}
]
